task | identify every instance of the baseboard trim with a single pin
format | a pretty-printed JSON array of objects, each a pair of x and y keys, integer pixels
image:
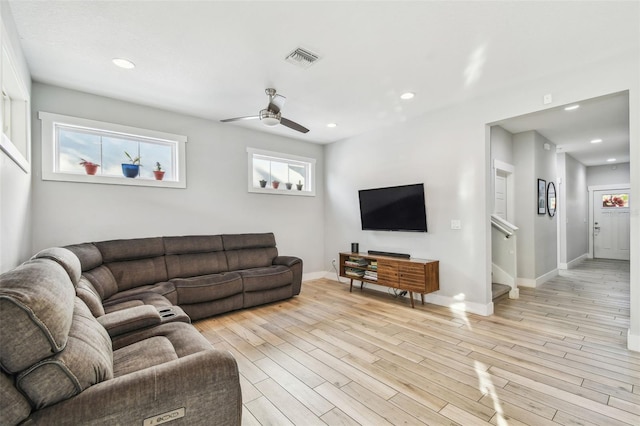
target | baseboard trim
[
  {"x": 315, "y": 276},
  {"x": 528, "y": 282},
  {"x": 633, "y": 341},
  {"x": 573, "y": 263}
]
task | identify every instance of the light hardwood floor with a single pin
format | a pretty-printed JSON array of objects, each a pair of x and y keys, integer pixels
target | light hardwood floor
[{"x": 555, "y": 356}]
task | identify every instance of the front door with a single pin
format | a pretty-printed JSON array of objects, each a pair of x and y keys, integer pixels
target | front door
[{"x": 611, "y": 226}]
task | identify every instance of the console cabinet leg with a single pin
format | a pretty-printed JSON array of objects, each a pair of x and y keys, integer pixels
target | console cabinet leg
[
  {"x": 350, "y": 285},
  {"x": 411, "y": 297}
]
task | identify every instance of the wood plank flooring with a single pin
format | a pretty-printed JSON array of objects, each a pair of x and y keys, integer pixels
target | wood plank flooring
[{"x": 555, "y": 356}]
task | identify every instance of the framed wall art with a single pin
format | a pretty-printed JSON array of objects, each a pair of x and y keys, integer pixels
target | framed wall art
[{"x": 542, "y": 196}]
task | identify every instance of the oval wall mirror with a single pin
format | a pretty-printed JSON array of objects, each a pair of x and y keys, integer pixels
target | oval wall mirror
[{"x": 551, "y": 199}]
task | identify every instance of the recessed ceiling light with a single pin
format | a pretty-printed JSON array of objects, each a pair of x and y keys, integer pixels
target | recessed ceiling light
[
  {"x": 572, "y": 107},
  {"x": 407, "y": 95},
  {"x": 332, "y": 125},
  {"x": 596, "y": 141},
  {"x": 123, "y": 63},
  {"x": 611, "y": 160}
]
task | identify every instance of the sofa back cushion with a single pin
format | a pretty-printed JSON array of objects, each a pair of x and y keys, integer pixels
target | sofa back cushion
[
  {"x": 90, "y": 296},
  {"x": 134, "y": 262},
  {"x": 191, "y": 256},
  {"x": 245, "y": 251},
  {"x": 36, "y": 309},
  {"x": 88, "y": 254},
  {"x": 65, "y": 258},
  {"x": 86, "y": 360}
]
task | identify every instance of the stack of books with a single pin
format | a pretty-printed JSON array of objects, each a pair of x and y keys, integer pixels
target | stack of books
[
  {"x": 371, "y": 275},
  {"x": 373, "y": 265},
  {"x": 356, "y": 261},
  {"x": 353, "y": 272}
]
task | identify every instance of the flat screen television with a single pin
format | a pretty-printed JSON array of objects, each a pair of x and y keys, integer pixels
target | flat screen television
[{"x": 395, "y": 208}]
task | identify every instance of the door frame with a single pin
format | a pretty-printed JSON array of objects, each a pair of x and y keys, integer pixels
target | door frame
[{"x": 592, "y": 189}]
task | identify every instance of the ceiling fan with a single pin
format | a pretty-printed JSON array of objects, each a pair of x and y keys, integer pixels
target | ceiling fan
[{"x": 271, "y": 115}]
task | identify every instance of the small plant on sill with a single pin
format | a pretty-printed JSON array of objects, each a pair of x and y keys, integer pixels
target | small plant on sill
[{"x": 90, "y": 167}]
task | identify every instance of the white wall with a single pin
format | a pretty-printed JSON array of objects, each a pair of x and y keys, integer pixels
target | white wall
[
  {"x": 573, "y": 210},
  {"x": 608, "y": 174},
  {"x": 215, "y": 200},
  {"x": 15, "y": 183},
  {"x": 448, "y": 150},
  {"x": 538, "y": 235}
]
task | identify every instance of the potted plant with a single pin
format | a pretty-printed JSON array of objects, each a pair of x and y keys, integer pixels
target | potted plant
[
  {"x": 158, "y": 172},
  {"x": 263, "y": 183},
  {"x": 131, "y": 170},
  {"x": 275, "y": 183},
  {"x": 89, "y": 167},
  {"x": 299, "y": 185},
  {"x": 288, "y": 185}
]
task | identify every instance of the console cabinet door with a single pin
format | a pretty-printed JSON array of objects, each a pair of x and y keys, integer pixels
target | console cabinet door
[
  {"x": 388, "y": 273},
  {"x": 411, "y": 277}
]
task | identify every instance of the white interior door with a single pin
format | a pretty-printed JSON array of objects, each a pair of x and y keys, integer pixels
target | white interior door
[
  {"x": 500, "y": 204},
  {"x": 611, "y": 226}
]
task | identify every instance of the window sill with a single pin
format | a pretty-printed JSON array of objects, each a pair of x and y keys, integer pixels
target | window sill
[
  {"x": 282, "y": 191},
  {"x": 113, "y": 180}
]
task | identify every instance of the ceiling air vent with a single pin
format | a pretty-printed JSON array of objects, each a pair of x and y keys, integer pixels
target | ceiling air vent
[{"x": 302, "y": 58}]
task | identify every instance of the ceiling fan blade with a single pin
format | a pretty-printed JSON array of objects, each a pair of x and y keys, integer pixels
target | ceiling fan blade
[
  {"x": 276, "y": 103},
  {"x": 293, "y": 125},
  {"x": 252, "y": 117}
]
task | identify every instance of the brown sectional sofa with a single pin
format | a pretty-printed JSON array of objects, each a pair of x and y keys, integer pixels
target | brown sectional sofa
[
  {"x": 204, "y": 275},
  {"x": 99, "y": 333}
]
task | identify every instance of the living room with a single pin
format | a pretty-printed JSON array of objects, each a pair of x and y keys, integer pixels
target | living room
[{"x": 446, "y": 146}]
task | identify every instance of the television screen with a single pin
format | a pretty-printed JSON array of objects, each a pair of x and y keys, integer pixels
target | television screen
[{"x": 396, "y": 208}]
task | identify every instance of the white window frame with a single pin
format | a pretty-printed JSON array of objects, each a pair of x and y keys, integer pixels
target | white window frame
[
  {"x": 50, "y": 152},
  {"x": 15, "y": 126},
  {"x": 310, "y": 164}
]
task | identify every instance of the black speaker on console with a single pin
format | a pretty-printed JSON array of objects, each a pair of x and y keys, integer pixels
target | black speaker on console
[{"x": 355, "y": 248}]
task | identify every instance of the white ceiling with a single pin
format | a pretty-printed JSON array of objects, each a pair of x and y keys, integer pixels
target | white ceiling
[{"x": 214, "y": 59}]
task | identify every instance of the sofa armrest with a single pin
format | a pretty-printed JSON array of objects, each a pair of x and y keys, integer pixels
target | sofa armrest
[
  {"x": 130, "y": 319},
  {"x": 286, "y": 260},
  {"x": 198, "y": 389},
  {"x": 295, "y": 263}
]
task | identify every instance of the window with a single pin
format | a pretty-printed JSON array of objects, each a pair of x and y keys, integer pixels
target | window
[
  {"x": 615, "y": 200},
  {"x": 14, "y": 109},
  {"x": 72, "y": 148},
  {"x": 277, "y": 173}
]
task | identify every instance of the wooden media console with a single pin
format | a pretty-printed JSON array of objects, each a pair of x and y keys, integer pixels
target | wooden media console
[{"x": 412, "y": 275}]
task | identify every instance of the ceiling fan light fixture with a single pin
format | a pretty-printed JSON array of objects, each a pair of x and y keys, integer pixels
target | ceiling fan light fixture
[
  {"x": 269, "y": 119},
  {"x": 123, "y": 63}
]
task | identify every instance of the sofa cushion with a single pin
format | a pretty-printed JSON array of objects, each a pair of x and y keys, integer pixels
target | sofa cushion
[
  {"x": 64, "y": 258},
  {"x": 184, "y": 338},
  {"x": 14, "y": 407},
  {"x": 134, "y": 273},
  {"x": 247, "y": 241},
  {"x": 256, "y": 298},
  {"x": 140, "y": 355},
  {"x": 90, "y": 296},
  {"x": 103, "y": 281},
  {"x": 192, "y": 244},
  {"x": 250, "y": 258},
  {"x": 195, "y": 264},
  {"x": 145, "y": 295},
  {"x": 135, "y": 248},
  {"x": 259, "y": 279},
  {"x": 207, "y": 287},
  {"x": 87, "y": 359},
  {"x": 88, "y": 254},
  {"x": 36, "y": 309}
]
